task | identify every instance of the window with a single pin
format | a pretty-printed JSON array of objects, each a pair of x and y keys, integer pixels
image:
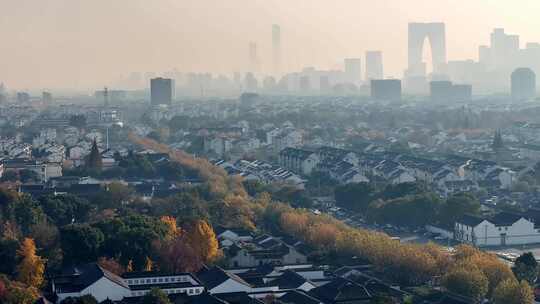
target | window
[
  {"x": 136, "y": 281},
  {"x": 148, "y": 281},
  {"x": 190, "y": 291},
  {"x": 160, "y": 280},
  {"x": 129, "y": 281},
  {"x": 166, "y": 279},
  {"x": 154, "y": 280}
]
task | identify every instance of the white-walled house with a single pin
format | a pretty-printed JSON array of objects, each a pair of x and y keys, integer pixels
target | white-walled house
[
  {"x": 298, "y": 160},
  {"x": 501, "y": 230},
  {"x": 90, "y": 279}
]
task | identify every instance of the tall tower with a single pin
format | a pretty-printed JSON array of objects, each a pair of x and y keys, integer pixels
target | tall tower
[
  {"x": 353, "y": 70},
  {"x": 161, "y": 91},
  {"x": 374, "y": 65},
  {"x": 253, "y": 58},
  {"x": 276, "y": 49},
  {"x": 106, "y": 97},
  {"x": 436, "y": 35}
]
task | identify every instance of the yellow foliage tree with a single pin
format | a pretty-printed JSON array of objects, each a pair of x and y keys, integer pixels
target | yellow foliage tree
[
  {"x": 294, "y": 222},
  {"x": 148, "y": 265},
  {"x": 512, "y": 292},
  {"x": 129, "y": 267},
  {"x": 31, "y": 268},
  {"x": 202, "y": 239},
  {"x": 171, "y": 225}
]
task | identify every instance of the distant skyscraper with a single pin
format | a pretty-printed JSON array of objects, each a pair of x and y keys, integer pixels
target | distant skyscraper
[
  {"x": 374, "y": 65},
  {"x": 324, "y": 84},
  {"x": 254, "y": 63},
  {"x": 276, "y": 49},
  {"x": 305, "y": 84},
  {"x": 23, "y": 97},
  {"x": 161, "y": 91},
  {"x": 436, "y": 34},
  {"x": 504, "y": 48},
  {"x": 46, "y": 97},
  {"x": 523, "y": 84},
  {"x": 353, "y": 70},
  {"x": 386, "y": 89},
  {"x": 269, "y": 83},
  {"x": 251, "y": 83}
]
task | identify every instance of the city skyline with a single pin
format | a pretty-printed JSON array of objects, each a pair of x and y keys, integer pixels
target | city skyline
[{"x": 114, "y": 39}]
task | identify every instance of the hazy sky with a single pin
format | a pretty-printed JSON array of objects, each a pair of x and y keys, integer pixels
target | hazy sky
[{"x": 86, "y": 43}]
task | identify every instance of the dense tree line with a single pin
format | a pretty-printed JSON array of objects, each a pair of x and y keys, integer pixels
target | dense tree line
[{"x": 406, "y": 204}]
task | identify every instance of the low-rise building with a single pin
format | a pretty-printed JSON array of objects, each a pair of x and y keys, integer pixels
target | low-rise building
[{"x": 500, "y": 230}]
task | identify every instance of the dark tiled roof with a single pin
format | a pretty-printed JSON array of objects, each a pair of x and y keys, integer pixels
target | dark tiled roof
[
  {"x": 215, "y": 276},
  {"x": 298, "y": 297},
  {"x": 76, "y": 279},
  {"x": 505, "y": 218},
  {"x": 205, "y": 298},
  {"x": 288, "y": 280},
  {"x": 470, "y": 220},
  {"x": 341, "y": 290},
  {"x": 238, "y": 298}
]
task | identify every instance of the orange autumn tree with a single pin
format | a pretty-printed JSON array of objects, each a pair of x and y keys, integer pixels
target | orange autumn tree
[
  {"x": 177, "y": 255},
  {"x": 189, "y": 249},
  {"x": 31, "y": 268}
]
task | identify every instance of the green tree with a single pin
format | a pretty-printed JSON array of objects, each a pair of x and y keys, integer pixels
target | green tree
[
  {"x": 356, "y": 196},
  {"x": 526, "y": 268},
  {"x": 8, "y": 256},
  {"x": 458, "y": 205},
  {"x": 131, "y": 238},
  {"x": 93, "y": 160},
  {"x": 86, "y": 299},
  {"x": 65, "y": 209},
  {"x": 512, "y": 292},
  {"x": 155, "y": 296},
  {"x": 409, "y": 211},
  {"x": 81, "y": 243},
  {"x": 296, "y": 197},
  {"x": 26, "y": 212}
]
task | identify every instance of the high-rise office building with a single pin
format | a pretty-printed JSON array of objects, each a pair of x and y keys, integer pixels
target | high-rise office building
[
  {"x": 304, "y": 84},
  {"x": 46, "y": 97},
  {"x": 386, "y": 89},
  {"x": 353, "y": 70},
  {"x": 23, "y": 97},
  {"x": 523, "y": 84},
  {"x": 324, "y": 84},
  {"x": 161, "y": 91},
  {"x": 276, "y": 49},
  {"x": 504, "y": 49},
  {"x": 251, "y": 83},
  {"x": 374, "y": 65},
  {"x": 254, "y": 64}
]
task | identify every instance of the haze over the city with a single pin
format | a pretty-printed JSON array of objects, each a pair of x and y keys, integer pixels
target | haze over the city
[{"x": 83, "y": 44}]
